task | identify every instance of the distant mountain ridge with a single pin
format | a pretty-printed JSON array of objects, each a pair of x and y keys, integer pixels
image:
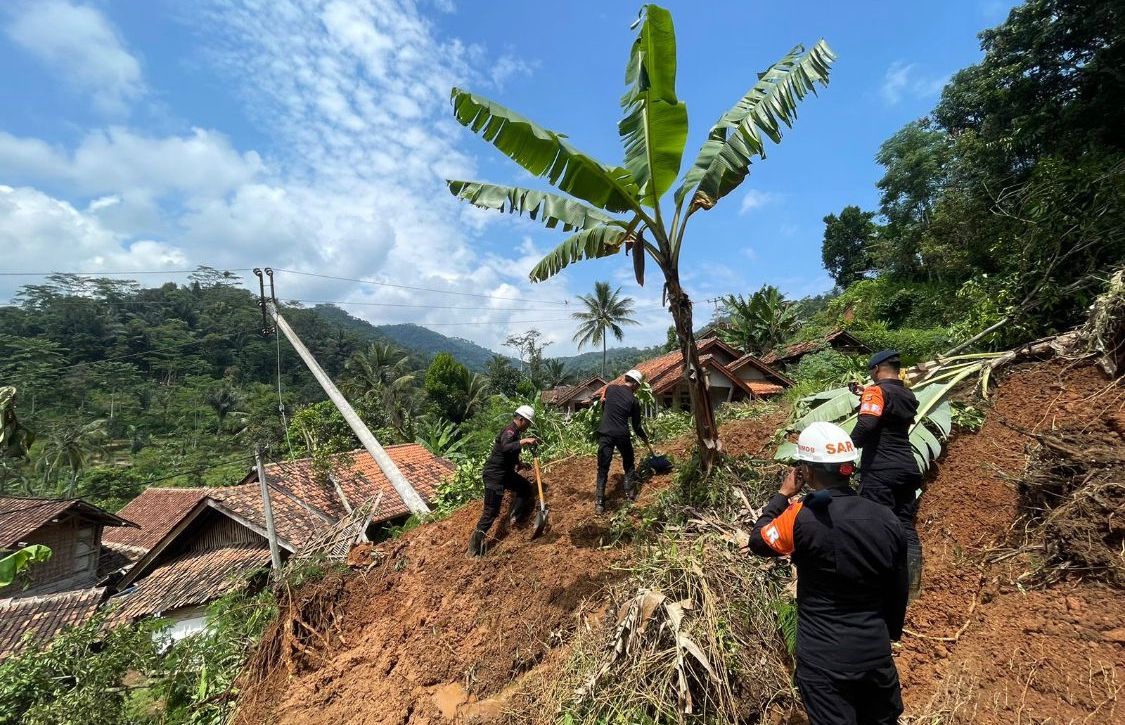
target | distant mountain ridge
[{"x": 425, "y": 343}]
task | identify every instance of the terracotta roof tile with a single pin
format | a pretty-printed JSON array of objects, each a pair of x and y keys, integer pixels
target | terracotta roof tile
[
  {"x": 156, "y": 511},
  {"x": 42, "y": 617},
  {"x": 796, "y": 350},
  {"x": 21, "y": 516},
  {"x": 361, "y": 479},
  {"x": 764, "y": 389},
  {"x": 662, "y": 373},
  {"x": 194, "y": 577},
  {"x": 295, "y": 523}
]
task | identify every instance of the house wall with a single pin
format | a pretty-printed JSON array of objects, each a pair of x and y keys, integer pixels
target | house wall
[
  {"x": 222, "y": 531},
  {"x": 749, "y": 372},
  {"x": 75, "y": 545}
]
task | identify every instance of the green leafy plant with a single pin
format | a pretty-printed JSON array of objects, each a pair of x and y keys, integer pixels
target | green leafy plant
[
  {"x": 611, "y": 208},
  {"x": 16, "y": 563}
]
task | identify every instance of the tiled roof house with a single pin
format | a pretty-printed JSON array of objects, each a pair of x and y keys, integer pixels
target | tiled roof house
[
  {"x": 572, "y": 398},
  {"x": 731, "y": 375},
  {"x": 64, "y": 590},
  {"x": 841, "y": 340},
  {"x": 198, "y": 544}
]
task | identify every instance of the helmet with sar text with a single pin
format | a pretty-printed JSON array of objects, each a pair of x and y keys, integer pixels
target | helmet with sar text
[
  {"x": 824, "y": 442},
  {"x": 526, "y": 412}
]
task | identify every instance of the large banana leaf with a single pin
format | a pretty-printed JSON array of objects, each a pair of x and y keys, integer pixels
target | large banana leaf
[
  {"x": 654, "y": 129},
  {"x": 552, "y": 209},
  {"x": 600, "y": 241},
  {"x": 840, "y": 406},
  {"x": 546, "y": 153},
  {"x": 12, "y": 564},
  {"x": 724, "y": 160}
]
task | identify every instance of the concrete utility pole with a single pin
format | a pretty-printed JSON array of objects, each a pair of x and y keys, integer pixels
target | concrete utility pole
[
  {"x": 267, "y": 509},
  {"x": 409, "y": 496}
]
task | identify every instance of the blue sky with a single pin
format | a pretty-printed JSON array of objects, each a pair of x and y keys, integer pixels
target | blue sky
[{"x": 314, "y": 135}]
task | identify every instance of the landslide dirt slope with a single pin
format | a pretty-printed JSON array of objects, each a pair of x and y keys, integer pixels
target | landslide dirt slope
[
  {"x": 426, "y": 635},
  {"x": 1040, "y": 655}
]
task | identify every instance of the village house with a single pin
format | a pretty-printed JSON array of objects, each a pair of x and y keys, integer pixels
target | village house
[
  {"x": 732, "y": 376},
  {"x": 66, "y": 589},
  {"x": 195, "y": 545},
  {"x": 839, "y": 340},
  {"x": 573, "y": 398}
]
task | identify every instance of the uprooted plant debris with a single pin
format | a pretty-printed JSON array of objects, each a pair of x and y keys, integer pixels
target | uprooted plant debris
[{"x": 1073, "y": 494}]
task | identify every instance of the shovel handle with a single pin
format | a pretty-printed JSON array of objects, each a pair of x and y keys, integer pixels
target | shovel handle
[{"x": 538, "y": 479}]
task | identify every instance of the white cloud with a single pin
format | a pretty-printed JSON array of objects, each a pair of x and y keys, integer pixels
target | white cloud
[
  {"x": 903, "y": 79},
  {"x": 79, "y": 45},
  {"x": 355, "y": 96},
  {"x": 755, "y": 199},
  {"x": 35, "y": 229},
  {"x": 117, "y": 159}
]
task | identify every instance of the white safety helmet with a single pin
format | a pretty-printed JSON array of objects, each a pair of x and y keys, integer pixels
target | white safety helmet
[
  {"x": 526, "y": 412},
  {"x": 635, "y": 376},
  {"x": 824, "y": 442}
]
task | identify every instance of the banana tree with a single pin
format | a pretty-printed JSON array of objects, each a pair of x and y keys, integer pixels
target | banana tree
[
  {"x": 612, "y": 208},
  {"x": 933, "y": 386}
]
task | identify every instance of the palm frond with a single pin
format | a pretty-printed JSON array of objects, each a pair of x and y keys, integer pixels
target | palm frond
[
  {"x": 599, "y": 241},
  {"x": 724, "y": 160},
  {"x": 552, "y": 209},
  {"x": 545, "y": 153}
]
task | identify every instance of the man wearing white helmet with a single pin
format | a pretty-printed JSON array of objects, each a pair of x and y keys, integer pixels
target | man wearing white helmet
[
  {"x": 852, "y": 582},
  {"x": 500, "y": 473},
  {"x": 619, "y": 409}
]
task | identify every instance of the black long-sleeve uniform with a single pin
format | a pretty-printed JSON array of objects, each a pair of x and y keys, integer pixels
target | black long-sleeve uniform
[
  {"x": 888, "y": 471},
  {"x": 499, "y": 474},
  {"x": 620, "y": 409},
  {"x": 850, "y": 555}
]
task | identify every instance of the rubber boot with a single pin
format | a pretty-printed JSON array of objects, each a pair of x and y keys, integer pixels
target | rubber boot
[
  {"x": 631, "y": 485},
  {"x": 599, "y": 498},
  {"x": 476, "y": 544},
  {"x": 914, "y": 570}
]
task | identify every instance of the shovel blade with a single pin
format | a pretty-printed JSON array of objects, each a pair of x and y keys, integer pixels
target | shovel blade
[{"x": 540, "y": 522}]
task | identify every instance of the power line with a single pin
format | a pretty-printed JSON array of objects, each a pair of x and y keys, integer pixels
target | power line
[
  {"x": 228, "y": 462},
  {"x": 118, "y": 274},
  {"x": 419, "y": 289}
]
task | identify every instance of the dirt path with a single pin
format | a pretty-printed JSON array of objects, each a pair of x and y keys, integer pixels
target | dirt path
[
  {"x": 427, "y": 635},
  {"x": 1045, "y": 655}
]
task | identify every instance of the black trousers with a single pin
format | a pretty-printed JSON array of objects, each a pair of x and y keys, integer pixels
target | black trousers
[
  {"x": 902, "y": 494},
  {"x": 606, "y": 444},
  {"x": 494, "y": 499},
  {"x": 865, "y": 697}
]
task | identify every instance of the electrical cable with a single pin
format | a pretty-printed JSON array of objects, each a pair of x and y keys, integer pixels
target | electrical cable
[
  {"x": 229, "y": 462},
  {"x": 116, "y": 274},
  {"x": 280, "y": 400}
]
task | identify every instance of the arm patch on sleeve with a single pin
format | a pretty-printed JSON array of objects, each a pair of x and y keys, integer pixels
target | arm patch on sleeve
[
  {"x": 871, "y": 403},
  {"x": 778, "y": 534}
]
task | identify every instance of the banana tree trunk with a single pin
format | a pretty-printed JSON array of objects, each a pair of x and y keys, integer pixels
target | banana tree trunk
[{"x": 703, "y": 417}]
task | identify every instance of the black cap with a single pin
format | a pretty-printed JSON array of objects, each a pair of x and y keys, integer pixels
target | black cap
[{"x": 881, "y": 357}]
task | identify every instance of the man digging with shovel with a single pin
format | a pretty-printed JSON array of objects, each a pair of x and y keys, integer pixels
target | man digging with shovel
[
  {"x": 620, "y": 408},
  {"x": 500, "y": 473}
]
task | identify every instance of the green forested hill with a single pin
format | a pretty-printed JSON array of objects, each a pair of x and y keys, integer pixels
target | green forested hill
[{"x": 426, "y": 344}]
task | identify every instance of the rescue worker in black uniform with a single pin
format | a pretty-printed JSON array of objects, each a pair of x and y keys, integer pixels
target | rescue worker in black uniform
[
  {"x": 619, "y": 409},
  {"x": 850, "y": 555},
  {"x": 888, "y": 471},
  {"x": 500, "y": 474}
]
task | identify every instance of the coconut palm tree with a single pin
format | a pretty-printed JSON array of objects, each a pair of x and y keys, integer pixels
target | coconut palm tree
[
  {"x": 555, "y": 374},
  {"x": 610, "y": 207},
  {"x": 760, "y": 323},
  {"x": 73, "y": 447},
  {"x": 606, "y": 311},
  {"x": 224, "y": 400}
]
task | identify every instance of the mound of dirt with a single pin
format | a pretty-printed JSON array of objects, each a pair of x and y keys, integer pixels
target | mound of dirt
[
  {"x": 982, "y": 647},
  {"x": 423, "y": 634}
]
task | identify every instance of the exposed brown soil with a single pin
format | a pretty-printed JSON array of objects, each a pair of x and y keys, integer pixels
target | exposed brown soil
[
  {"x": 424, "y": 634},
  {"x": 1032, "y": 656},
  {"x": 427, "y": 636}
]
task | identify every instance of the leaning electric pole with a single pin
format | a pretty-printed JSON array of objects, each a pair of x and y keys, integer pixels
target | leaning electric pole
[{"x": 409, "y": 496}]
